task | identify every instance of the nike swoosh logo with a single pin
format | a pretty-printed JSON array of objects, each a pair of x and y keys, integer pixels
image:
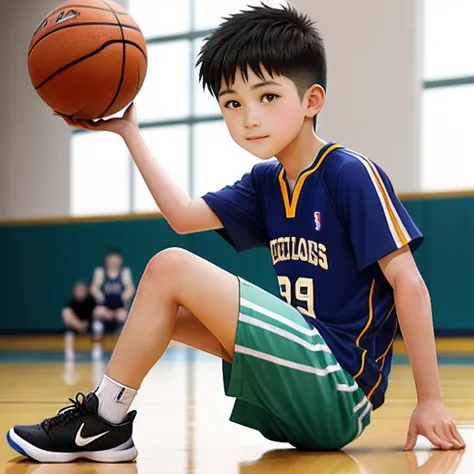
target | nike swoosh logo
[{"x": 80, "y": 441}]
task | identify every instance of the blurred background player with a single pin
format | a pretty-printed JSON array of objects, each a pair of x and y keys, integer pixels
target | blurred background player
[
  {"x": 113, "y": 288},
  {"x": 77, "y": 316}
]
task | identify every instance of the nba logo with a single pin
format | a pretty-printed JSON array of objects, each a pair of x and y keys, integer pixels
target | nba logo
[{"x": 317, "y": 220}]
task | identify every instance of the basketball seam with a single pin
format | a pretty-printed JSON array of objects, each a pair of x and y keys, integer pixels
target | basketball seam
[
  {"x": 124, "y": 58},
  {"x": 67, "y": 66},
  {"x": 77, "y": 25},
  {"x": 89, "y": 7}
]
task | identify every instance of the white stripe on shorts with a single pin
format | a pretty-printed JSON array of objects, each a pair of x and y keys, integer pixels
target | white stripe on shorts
[
  {"x": 288, "y": 363},
  {"x": 278, "y": 317},
  {"x": 361, "y": 416},
  {"x": 360, "y": 405},
  {"x": 342, "y": 387},
  {"x": 285, "y": 334}
]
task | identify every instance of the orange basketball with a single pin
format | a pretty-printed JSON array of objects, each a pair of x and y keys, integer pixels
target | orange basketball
[{"x": 87, "y": 59}]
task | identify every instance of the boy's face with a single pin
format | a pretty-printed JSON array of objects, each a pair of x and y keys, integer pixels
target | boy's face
[
  {"x": 80, "y": 291},
  {"x": 263, "y": 116},
  {"x": 113, "y": 261}
]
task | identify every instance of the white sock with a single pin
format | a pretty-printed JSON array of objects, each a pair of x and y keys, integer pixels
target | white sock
[
  {"x": 98, "y": 327},
  {"x": 69, "y": 341},
  {"x": 114, "y": 399}
]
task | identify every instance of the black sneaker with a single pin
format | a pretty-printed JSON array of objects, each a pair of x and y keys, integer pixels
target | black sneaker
[{"x": 75, "y": 432}]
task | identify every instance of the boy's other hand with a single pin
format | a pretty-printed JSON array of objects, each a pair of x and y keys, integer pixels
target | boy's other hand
[
  {"x": 432, "y": 420},
  {"x": 115, "y": 125}
]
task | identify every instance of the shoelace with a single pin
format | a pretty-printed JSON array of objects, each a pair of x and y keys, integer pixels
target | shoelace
[{"x": 66, "y": 414}]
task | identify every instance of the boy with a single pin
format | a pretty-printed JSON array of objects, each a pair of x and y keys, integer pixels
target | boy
[
  {"x": 113, "y": 288},
  {"x": 310, "y": 372},
  {"x": 77, "y": 316}
]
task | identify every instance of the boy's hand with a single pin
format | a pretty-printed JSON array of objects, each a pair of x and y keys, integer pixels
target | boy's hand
[
  {"x": 115, "y": 125},
  {"x": 432, "y": 420}
]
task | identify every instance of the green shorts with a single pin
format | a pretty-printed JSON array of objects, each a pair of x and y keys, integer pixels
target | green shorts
[{"x": 287, "y": 383}]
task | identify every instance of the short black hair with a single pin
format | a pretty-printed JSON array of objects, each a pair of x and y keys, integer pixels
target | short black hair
[
  {"x": 280, "y": 40},
  {"x": 114, "y": 251}
]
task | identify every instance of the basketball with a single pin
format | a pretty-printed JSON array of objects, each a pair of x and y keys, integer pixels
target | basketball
[{"x": 87, "y": 59}]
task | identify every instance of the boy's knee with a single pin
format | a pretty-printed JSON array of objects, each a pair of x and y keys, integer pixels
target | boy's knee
[
  {"x": 102, "y": 312},
  {"x": 121, "y": 315},
  {"x": 166, "y": 262}
]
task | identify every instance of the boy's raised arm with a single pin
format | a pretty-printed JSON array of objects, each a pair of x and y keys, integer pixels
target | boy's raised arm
[{"x": 184, "y": 214}]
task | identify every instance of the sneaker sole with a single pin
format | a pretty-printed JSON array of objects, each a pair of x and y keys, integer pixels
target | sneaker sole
[{"x": 110, "y": 456}]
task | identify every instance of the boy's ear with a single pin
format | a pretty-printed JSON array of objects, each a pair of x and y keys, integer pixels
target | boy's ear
[{"x": 314, "y": 98}]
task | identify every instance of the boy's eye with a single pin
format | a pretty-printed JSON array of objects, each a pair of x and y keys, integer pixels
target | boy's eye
[
  {"x": 269, "y": 97},
  {"x": 232, "y": 104}
]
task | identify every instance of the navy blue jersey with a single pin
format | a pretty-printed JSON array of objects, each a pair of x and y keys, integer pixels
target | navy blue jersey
[
  {"x": 112, "y": 289},
  {"x": 325, "y": 239}
]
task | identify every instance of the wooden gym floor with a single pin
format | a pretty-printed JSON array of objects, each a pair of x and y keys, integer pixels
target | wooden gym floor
[{"x": 182, "y": 424}]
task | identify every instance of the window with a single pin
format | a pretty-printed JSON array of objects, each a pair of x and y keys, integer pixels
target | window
[
  {"x": 448, "y": 38},
  {"x": 218, "y": 160},
  {"x": 170, "y": 147},
  {"x": 158, "y": 18},
  {"x": 448, "y": 98},
  {"x": 165, "y": 93},
  {"x": 100, "y": 174},
  {"x": 180, "y": 122},
  {"x": 204, "y": 102},
  {"x": 208, "y": 13},
  {"x": 447, "y": 135}
]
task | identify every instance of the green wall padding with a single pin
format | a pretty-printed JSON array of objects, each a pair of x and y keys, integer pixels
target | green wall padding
[{"x": 39, "y": 263}]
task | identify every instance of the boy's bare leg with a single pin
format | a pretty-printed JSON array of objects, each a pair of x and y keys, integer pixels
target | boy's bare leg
[
  {"x": 71, "y": 321},
  {"x": 180, "y": 296},
  {"x": 175, "y": 278},
  {"x": 120, "y": 315},
  {"x": 103, "y": 313},
  {"x": 190, "y": 331}
]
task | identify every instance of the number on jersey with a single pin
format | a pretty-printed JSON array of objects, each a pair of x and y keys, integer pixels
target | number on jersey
[{"x": 303, "y": 292}]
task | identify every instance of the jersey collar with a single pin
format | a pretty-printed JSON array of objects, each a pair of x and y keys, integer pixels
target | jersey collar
[{"x": 290, "y": 200}]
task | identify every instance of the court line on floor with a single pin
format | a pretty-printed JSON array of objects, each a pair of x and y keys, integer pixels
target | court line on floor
[{"x": 22, "y": 402}]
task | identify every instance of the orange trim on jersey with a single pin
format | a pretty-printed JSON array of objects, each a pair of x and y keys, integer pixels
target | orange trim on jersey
[
  {"x": 290, "y": 204},
  {"x": 284, "y": 191},
  {"x": 369, "y": 395},
  {"x": 388, "y": 315},
  {"x": 383, "y": 357},
  {"x": 367, "y": 326},
  {"x": 386, "y": 351},
  {"x": 386, "y": 198}
]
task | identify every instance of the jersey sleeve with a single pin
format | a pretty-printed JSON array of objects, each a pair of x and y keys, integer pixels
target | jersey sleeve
[
  {"x": 238, "y": 208},
  {"x": 374, "y": 218}
]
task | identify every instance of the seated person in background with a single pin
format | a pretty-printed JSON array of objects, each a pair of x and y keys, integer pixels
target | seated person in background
[
  {"x": 77, "y": 316},
  {"x": 113, "y": 288}
]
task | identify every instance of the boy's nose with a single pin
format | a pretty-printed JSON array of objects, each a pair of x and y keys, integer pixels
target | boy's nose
[{"x": 251, "y": 121}]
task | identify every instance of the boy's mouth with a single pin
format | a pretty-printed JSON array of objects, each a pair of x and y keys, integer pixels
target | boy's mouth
[{"x": 257, "y": 138}]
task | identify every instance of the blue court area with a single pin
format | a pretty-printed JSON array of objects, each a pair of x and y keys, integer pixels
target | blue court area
[
  {"x": 84, "y": 357},
  {"x": 184, "y": 355}
]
